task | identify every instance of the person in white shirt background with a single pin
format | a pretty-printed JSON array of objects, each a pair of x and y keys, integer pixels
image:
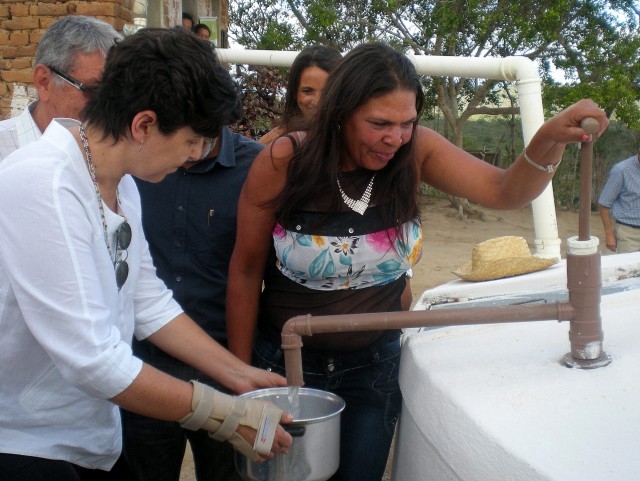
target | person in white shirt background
[{"x": 68, "y": 64}]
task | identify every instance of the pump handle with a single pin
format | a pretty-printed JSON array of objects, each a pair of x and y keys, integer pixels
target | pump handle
[{"x": 590, "y": 125}]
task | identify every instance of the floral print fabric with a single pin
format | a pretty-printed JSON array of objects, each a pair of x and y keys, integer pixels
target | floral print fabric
[{"x": 325, "y": 262}]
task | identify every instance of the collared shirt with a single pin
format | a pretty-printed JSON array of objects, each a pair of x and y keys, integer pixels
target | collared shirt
[
  {"x": 190, "y": 223},
  {"x": 65, "y": 329},
  {"x": 621, "y": 193},
  {"x": 18, "y": 131}
]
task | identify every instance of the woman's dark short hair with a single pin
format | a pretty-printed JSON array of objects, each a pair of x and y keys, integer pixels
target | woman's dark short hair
[
  {"x": 319, "y": 56},
  {"x": 171, "y": 72}
]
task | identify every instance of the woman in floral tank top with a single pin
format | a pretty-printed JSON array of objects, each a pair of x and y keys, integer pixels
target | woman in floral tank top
[{"x": 330, "y": 224}]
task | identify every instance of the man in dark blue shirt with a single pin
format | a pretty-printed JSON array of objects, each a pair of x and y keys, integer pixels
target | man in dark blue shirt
[{"x": 189, "y": 220}]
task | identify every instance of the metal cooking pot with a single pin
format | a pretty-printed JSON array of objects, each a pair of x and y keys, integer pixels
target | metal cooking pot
[{"x": 315, "y": 452}]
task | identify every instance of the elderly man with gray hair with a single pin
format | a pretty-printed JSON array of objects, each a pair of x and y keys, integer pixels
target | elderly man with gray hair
[{"x": 68, "y": 64}]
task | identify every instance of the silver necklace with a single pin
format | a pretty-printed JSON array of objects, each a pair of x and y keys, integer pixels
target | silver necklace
[
  {"x": 359, "y": 206},
  {"x": 92, "y": 174}
]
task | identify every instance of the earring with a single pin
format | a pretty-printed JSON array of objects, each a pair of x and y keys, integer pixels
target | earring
[{"x": 141, "y": 144}]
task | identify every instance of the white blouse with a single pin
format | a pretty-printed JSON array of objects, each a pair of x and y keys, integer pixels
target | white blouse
[{"x": 65, "y": 329}]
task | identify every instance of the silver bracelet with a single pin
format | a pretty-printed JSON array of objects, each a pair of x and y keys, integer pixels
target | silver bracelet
[{"x": 550, "y": 168}]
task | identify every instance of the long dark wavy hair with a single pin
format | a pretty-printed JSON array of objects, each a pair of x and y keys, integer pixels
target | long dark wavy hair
[
  {"x": 368, "y": 71},
  {"x": 319, "y": 56}
]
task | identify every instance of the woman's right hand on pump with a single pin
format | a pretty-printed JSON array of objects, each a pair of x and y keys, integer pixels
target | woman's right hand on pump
[{"x": 566, "y": 126}]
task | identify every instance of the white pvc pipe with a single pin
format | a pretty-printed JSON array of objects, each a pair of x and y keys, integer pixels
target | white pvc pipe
[
  {"x": 528, "y": 85},
  {"x": 547, "y": 242},
  {"x": 271, "y": 58}
]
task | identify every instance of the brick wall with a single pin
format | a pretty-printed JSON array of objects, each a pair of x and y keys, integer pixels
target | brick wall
[
  {"x": 224, "y": 14},
  {"x": 21, "y": 25},
  {"x": 23, "y": 22}
]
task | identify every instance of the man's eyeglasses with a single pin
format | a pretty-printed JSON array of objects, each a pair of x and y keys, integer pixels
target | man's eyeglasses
[
  {"x": 207, "y": 147},
  {"x": 84, "y": 88},
  {"x": 123, "y": 241}
]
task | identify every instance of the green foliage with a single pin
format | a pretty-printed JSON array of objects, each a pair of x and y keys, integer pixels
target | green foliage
[
  {"x": 595, "y": 41},
  {"x": 274, "y": 35},
  {"x": 262, "y": 99},
  {"x": 600, "y": 58}
]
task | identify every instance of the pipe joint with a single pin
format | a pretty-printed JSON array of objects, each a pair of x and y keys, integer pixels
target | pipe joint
[
  {"x": 578, "y": 247},
  {"x": 566, "y": 311},
  {"x": 299, "y": 325},
  {"x": 291, "y": 341},
  {"x": 520, "y": 68}
]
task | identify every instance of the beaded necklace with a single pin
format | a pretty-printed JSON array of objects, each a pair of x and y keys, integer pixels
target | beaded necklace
[
  {"x": 359, "y": 206},
  {"x": 92, "y": 173}
]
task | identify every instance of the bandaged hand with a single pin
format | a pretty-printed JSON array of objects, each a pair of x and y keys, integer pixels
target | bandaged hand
[{"x": 221, "y": 414}]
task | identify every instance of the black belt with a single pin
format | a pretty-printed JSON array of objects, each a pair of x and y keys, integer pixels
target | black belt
[{"x": 629, "y": 225}]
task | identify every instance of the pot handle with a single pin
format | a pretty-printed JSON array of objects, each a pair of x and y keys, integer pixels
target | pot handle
[{"x": 295, "y": 431}]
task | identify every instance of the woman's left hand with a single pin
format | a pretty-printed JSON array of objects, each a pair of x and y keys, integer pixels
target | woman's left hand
[{"x": 251, "y": 378}]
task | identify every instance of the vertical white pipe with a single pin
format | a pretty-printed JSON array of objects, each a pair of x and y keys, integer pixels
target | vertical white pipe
[
  {"x": 547, "y": 242},
  {"x": 519, "y": 69}
]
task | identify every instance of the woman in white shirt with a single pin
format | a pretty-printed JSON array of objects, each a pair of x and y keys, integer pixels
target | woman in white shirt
[{"x": 77, "y": 281}]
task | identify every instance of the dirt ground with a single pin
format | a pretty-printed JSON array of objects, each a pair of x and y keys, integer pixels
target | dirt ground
[{"x": 449, "y": 242}]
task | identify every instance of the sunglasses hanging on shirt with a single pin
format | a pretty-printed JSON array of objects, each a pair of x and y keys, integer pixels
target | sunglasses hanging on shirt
[
  {"x": 123, "y": 233},
  {"x": 123, "y": 241}
]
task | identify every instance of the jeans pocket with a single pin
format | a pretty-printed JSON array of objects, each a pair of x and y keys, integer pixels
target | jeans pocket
[
  {"x": 388, "y": 371},
  {"x": 269, "y": 357}
]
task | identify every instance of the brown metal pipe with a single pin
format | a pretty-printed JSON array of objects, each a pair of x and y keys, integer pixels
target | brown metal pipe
[
  {"x": 299, "y": 326},
  {"x": 584, "y": 283},
  {"x": 584, "y": 276},
  {"x": 591, "y": 126},
  {"x": 584, "y": 216}
]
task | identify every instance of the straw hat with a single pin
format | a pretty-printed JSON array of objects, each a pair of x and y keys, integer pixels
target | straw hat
[{"x": 501, "y": 257}]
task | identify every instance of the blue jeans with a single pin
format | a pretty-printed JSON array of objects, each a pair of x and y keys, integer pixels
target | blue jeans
[
  {"x": 155, "y": 449},
  {"x": 367, "y": 380}
]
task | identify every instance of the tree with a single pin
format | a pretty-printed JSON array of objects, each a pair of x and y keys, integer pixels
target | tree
[
  {"x": 596, "y": 41},
  {"x": 603, "y": 65},
  {"x": 262, "y": 94}
]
